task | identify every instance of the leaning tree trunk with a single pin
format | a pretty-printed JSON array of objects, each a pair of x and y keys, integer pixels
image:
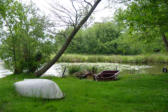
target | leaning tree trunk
[
  {"x": 66, "y": 44},
  {"x": 165, "y": 41}
]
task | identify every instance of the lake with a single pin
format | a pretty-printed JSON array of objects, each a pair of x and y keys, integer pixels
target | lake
[
  {"x": 57, "y": 69},
  {"x": 124, "y": 68},
  {"x": 3, "y": 71}
]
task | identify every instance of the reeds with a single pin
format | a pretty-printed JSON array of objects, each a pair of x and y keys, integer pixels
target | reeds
[{"x": 145, "y": 58}]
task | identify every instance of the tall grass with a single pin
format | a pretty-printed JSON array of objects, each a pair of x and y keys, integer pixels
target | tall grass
[
  {"x": 146, "y": 58},
  {"x": 76, "y": 68}
]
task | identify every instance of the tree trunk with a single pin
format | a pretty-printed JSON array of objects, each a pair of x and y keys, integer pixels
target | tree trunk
[
  {"x": 16, "y": 71},
  {"x": 66, "y": 44},
  {"x": 165, "y": 41},
  {"x": 14, "y": 57}
]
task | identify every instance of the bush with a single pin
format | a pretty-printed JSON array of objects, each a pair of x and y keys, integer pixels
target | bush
[{"x": 74, "y": 69}]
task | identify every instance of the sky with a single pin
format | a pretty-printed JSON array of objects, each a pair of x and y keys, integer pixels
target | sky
[{"x": 100, "y": 14}]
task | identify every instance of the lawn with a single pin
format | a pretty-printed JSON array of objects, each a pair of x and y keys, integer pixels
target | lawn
[{"x": 131, "y": 93}]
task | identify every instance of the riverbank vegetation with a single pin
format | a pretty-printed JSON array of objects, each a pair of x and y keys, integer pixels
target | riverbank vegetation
[
  {"x": 140, "y": 59},
  {"x": 137, "y": 93}
]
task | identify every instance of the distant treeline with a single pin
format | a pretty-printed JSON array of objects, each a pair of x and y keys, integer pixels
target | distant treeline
[{"x": 110, "y": 38}]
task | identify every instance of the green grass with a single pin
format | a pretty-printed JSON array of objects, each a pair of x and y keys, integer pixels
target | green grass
[
  {"x": 131, "y": 93},
  {"x": 148, "y": 58}
]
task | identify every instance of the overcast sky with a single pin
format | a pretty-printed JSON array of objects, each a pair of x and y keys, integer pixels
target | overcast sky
[{"x": 99, "y": 15}]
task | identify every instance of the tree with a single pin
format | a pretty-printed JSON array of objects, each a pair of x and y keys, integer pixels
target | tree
[
  {"x": 142, "y": 16},
  {"x": 97, "y": 39},
  {"x": 77, "y": 24},
  {"x": 26, "y": 42}
]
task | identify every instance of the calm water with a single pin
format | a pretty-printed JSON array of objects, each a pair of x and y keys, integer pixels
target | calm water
[
  {"x": 3, "y": 71},
  {"x": 57, "y": 69},
  {"x": 124, "y": 68}
]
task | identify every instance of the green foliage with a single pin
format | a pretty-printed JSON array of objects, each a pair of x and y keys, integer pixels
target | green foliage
[
  {"x": 26, "y": 42},
  {"x": 132, "y": 93},
  {"x": 4, "y": 7},
  {"x": 113, "y": 38},
  {"x": 74, "y": 69},
  {"x": 101, "y": 38},
  {"x": 147, "y": 20},
  {"x": 96, "y": 40},
  {"x": 83, "y": 69}
]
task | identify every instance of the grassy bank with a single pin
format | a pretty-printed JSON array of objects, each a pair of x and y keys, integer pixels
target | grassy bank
[
  {"x": 131, "y": 93},
  {"x": 148, "y": 58}
]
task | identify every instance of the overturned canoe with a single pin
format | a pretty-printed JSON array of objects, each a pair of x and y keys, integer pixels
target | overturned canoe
[{"x": 39, "y": 88}]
